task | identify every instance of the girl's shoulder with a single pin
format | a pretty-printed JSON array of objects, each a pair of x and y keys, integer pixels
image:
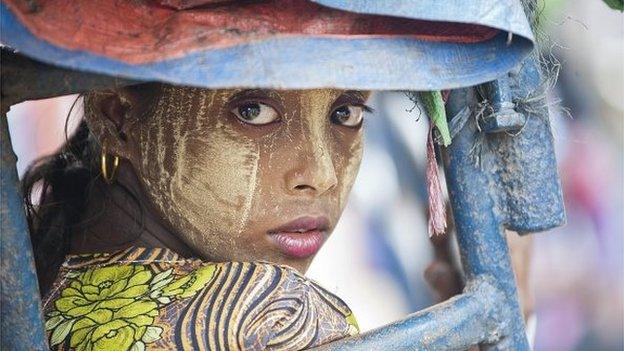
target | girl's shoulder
[{"x": 139, "y": 299}]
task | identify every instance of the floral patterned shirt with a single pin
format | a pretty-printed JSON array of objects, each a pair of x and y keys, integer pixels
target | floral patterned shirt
[{"x": 152, "y": 299}]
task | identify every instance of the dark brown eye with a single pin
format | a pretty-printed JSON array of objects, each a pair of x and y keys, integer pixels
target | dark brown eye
[
  {"x": 348, "y": 116},
  {"x": 255, "y": 113},
  {"x": 249, "y": 112}
]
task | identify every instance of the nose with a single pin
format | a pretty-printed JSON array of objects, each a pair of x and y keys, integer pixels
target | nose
[{"x": 313, "y": 172}]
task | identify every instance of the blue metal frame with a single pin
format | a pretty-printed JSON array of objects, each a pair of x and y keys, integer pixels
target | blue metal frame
[
  {"x": 514, "y": 186},
  {"x": 480, "y": 234},
  {"x": 22, "y": 321}
]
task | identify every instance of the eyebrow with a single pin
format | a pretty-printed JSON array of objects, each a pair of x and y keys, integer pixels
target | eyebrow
[
  {"x": 257, "y": 93},
  {"x": 357, "y": 94}
]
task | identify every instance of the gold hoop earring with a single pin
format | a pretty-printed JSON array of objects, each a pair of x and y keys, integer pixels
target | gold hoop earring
[{"x": 109, "y": 177}]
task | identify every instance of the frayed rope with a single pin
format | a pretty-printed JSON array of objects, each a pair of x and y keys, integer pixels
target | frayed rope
[{"x": 437, "y": 205}]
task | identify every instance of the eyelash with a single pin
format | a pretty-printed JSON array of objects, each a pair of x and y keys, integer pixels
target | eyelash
[
  {"x": 237, "y": 103},
  {"x": 248, "y": 100},
  {"x": 364, "y": 107}
]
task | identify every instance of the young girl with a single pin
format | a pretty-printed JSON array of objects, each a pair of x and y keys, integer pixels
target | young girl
[{"x": 160, "y": 183}]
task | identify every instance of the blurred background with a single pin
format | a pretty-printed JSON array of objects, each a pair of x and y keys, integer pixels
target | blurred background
[{"x": 376, "y": 258}]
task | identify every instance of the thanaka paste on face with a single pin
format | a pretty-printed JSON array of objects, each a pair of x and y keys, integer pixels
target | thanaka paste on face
[
  {"x": 221, "y": 185},
  {"x": 320, "y": 134},
  {"x": 196, "y": 169}
]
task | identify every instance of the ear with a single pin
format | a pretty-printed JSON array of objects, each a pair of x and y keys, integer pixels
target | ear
[{"x": 112, "y": 117}]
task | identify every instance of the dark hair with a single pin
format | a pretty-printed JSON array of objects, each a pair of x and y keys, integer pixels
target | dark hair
[
  {"x": 62, "y": 181},
  {"x": 57, "y": 189}
]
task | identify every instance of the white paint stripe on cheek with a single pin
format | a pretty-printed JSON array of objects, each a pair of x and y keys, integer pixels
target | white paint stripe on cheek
[
  {"x": 251, "y": 192},
  {"x": 248, "y": 149},
  {"x": 351, "y": 170}
]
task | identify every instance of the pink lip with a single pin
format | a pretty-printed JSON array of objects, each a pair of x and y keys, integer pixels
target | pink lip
[{"x": 302, "y": 237}]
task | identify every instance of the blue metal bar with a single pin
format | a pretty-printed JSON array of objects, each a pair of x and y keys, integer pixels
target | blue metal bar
[
  {"x": 474, "y": 199},
  {"x": 25, "y": 79},
  {"x": 22, "y": 321},
  {"x": 526, "y": 170},
  {"x": 456, "y": 324}
]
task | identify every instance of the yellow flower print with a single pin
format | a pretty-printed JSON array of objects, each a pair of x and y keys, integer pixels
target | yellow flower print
[
  {"x": 113, "y": 308},
  {"x": 103, "y": 307},
  {"x": 191, "y": 283},
  {"x": 108, "y": 287},
  {"x": 102, "y": 328}
]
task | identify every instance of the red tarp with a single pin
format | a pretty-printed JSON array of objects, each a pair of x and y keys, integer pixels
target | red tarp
[{"x": 142, "y": 31}]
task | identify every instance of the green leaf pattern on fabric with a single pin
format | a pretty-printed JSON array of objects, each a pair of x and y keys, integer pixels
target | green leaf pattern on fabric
[{"x": 114, "y": 307}]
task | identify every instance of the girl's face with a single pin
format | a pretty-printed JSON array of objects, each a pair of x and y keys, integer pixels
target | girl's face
[{"x": 251, "y": 174}]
